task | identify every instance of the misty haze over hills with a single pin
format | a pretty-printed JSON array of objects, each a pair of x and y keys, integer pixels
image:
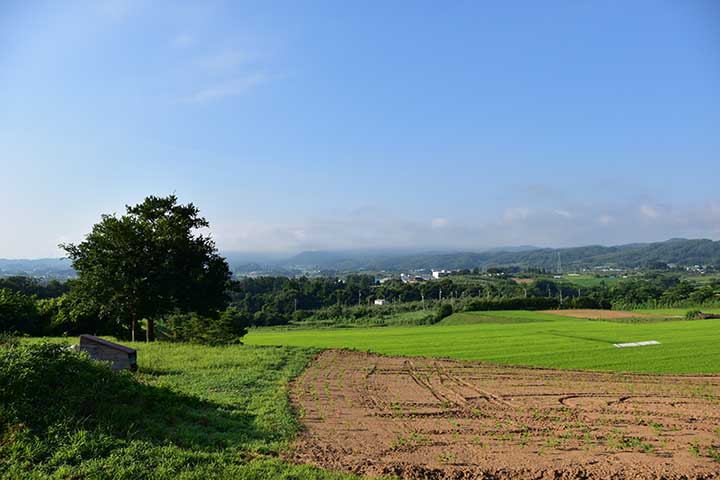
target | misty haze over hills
[{"x": 674, "y": 251}]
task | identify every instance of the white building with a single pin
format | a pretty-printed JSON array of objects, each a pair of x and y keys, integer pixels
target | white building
[
  {"x": 380, "y": 301},
  {"x": 411, "y": 278},
  {"x": 440, "y": 273}
]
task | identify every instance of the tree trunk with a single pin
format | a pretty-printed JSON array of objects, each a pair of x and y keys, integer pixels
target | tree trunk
[
  {"x": 133, "y": 327},
  {"x": 150, "y": 334}
]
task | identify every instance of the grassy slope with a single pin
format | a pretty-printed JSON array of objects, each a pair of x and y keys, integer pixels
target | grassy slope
[
  {"x": 550, "y": 341},
  {"x": 204, "y": 412}
]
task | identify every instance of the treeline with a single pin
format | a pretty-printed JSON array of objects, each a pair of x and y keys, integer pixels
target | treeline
[
  {"x": 26, "y": 306},
  {"x": 280, "y": 301},
  {"x": 32, "y": 286}
]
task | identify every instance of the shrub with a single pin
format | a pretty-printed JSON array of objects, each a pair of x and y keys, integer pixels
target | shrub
[
  {"x": 18, "y": 313},
  {"x": 51, "y": 391},
  {"x": 230, "y": 326},
  {"x": 445, "y": 310},
  {"x": 63, "y": 415},
  {"x": 693, "y": 315},
  {"x": 8, "y": 339},
  {"x": 518, "y": 303}
]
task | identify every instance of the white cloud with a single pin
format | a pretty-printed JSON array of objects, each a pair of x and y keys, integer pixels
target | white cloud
[
  {"x": 439, "y": 222},
  {"x": 649, "y": 211},
  {"x": 299, "y": 234},
  {"x": 606, "y": 219},
  {"x": 516, "y": 214},
  {"x": 231, "y": 88},
  {"x": 563, "y": 213},
  {"x": 607, "y": 225}
]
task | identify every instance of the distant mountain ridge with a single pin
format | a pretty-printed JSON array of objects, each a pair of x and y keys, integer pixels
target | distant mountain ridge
[
  {"x": 42, "y": 267},
  {"x": 675, "y": 251},
  {"x": 678, "y": 251}
]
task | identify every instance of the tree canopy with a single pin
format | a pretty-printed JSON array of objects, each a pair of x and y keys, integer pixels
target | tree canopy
[{"x": 150, "y": 262}]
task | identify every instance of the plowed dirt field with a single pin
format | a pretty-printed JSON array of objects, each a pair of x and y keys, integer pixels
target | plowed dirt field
[{"x": 436, "y": 419}]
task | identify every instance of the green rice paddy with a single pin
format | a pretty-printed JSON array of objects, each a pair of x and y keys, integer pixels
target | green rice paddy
[{"x": 533, "y": 338}]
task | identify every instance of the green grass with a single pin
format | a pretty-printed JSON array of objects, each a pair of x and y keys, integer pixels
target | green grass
[
  {"x": 532, "y": 338},
  {"x": 501, "y": 317},
  {"x": 191, "y": 412}
]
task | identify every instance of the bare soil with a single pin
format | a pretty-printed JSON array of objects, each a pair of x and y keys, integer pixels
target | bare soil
[
  {"x": 439, "y": 419},
  {"x": 599, "y": 314}
]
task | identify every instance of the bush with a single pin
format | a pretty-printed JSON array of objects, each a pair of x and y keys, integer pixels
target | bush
[
  {"x": 445, "y": 310},
  {"x": 693, "y": 315},
  {"x": 587, "y": 302},
  {"x": 230, "y": 326},
  {"x": 51, "y": 391},
  {"x": 63, "y": 415},
  {"x": 18, "y": 313},
  {"x": 518, "y": 303},
  {"x": 8, "y": 339}
]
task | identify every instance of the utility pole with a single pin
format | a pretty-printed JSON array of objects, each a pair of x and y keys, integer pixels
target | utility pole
[
  {"x": 440, "y": 295},
  {"x": 359, "y": 298},
  {"x": 422, "y": 297},
  {"x": 559, "y": 264},
  {"x": 295, "y": 304}
]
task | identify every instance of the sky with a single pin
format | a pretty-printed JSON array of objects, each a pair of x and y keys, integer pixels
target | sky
[{"x": 305, "y": 125}]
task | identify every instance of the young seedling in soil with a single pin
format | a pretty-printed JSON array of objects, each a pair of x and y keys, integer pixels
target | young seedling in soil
[
  {"x": 695, "y": 449},
  {"x": 656, "y": 427},
  {"x": 713, "y": 451},
  {"x": 446, "y": 458}
]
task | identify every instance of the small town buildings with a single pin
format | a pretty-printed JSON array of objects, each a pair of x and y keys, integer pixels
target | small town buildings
[
  {"x": 410, "y": 278},
  {"x": 440, "y": 273}
]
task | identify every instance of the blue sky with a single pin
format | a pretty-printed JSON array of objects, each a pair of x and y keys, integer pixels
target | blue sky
[{"x": 313, "y": 125}]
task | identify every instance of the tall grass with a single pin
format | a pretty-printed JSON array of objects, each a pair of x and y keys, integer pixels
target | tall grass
[{"x": 191, "y": 412}]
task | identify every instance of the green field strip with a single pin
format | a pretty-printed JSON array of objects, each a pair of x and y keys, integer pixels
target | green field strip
[{"x": 563, "y": 342}]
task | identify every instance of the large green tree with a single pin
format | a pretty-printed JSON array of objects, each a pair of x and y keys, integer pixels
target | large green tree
[{"x": 150, "y": 262}]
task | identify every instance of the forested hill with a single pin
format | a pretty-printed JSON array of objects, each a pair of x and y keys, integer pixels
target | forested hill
[
  {"x": 57, "y": 268},
  {"x": 675, "y": 251}
]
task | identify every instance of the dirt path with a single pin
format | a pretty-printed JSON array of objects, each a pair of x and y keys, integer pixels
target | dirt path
[{"x": 423, "y": 418}]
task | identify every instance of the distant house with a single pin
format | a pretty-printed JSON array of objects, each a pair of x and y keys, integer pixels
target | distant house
[
  {"x": 380, "y": 301},
  {"x": 440, "y": 273},
  {"x": 411, "y": 278},
  {"x": 120, "y": 356}
]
